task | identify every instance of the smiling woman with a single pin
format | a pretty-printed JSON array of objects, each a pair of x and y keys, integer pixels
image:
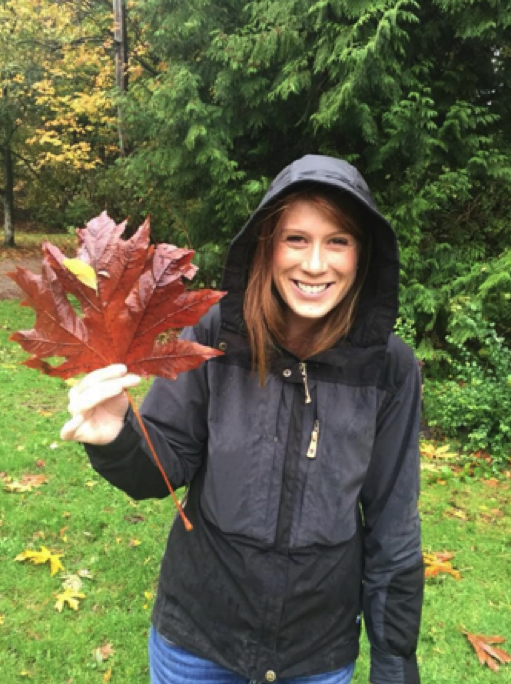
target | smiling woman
[{"x": 302, "y": 476}]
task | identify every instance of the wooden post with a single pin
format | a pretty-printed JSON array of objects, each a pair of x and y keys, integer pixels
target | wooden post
[{"x": 121, "y": 61}]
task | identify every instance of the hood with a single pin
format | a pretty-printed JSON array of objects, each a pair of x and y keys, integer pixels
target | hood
[{"x": 379, "y": 298}]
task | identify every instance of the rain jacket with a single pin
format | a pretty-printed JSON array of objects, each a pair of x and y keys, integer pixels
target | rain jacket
[{"x": 304, "y": 512}]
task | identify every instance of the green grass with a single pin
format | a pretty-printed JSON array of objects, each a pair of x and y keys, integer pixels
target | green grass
[{"x": 94, "y": 525}]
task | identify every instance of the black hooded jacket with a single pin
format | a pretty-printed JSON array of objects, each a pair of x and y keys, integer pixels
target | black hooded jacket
[{"x": 287, "y": 551}]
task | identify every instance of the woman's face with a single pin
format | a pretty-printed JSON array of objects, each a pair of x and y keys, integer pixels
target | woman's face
[{"x": 314, "y": 265}]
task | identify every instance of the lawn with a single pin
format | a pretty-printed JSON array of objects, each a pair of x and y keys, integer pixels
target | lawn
[{"x": 113, "y": 545}]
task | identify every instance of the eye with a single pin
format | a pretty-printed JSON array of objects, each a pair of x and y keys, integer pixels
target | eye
[
  {"x": 343, "y": 241},
  {"x": 295, "y": 239}
]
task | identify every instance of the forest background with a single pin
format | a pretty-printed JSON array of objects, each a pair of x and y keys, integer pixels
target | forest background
[{"x": 215, "y": 97}]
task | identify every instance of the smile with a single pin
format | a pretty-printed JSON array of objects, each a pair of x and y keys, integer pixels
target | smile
[{"x": 310, "y": 289}]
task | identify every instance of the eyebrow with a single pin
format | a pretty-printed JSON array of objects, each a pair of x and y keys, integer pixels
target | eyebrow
[{"x": 305, "y": 231}]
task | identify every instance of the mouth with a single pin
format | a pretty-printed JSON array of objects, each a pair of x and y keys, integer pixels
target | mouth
[{"x": 311, "y": 289}]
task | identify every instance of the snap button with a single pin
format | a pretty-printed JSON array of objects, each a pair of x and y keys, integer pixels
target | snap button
[
  {"x": 287, "y": 374},
  {"x": 222, "y": 346},
  {"x": 270, "y": 676}
]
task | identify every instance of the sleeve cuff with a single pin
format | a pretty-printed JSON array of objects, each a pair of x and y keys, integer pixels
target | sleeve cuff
[{"x": 391, "y": 669}]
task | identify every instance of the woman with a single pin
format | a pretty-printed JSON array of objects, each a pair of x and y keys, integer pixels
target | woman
[{"x": 299, "y": 446}]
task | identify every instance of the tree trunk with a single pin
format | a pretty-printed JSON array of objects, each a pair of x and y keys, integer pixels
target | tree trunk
[
  {"x": 121, "y": 63},
  {"x": 8, "y": 197}
]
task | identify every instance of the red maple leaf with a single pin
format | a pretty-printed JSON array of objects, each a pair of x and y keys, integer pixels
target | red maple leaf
[
  {"x": 139, "y": 294},
  {"x": 131, "y": 294}
]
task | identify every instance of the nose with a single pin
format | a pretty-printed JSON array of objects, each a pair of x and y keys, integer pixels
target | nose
[{"x": 315, "y": 260}]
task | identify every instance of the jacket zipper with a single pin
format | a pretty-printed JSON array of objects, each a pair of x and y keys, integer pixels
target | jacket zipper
[
  {"x": 313, "y": 444},
  {"x": 303, "y": 368}
]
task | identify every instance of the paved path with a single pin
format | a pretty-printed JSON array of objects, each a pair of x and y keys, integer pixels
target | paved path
[{"x": 8, "y": 288}]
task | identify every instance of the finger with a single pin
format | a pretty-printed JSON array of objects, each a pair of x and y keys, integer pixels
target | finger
[
  {"x": 69, "y": 429},
  {"x": 92, "y": 396},
  {"x": 116, "y": 370}
]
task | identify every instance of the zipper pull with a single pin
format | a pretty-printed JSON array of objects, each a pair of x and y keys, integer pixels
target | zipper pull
[
  {"x": 303, "y": 368},
  {"x": 313, "y": 445}
]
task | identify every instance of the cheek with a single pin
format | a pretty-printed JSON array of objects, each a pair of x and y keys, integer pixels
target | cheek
[
  {"x": 347, "y": 265},
  {"x": 354, "y": 265},
  {"x": 279, "y": 261}
]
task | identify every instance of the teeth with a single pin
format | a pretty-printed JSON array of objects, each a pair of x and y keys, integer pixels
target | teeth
[{"x": 311, "y": 289}]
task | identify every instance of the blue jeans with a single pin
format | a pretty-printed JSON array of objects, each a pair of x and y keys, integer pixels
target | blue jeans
[{"x": 170, "y": 664}]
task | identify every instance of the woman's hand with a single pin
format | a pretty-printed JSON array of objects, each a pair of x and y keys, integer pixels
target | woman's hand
[{"x": 98, "y": 404}]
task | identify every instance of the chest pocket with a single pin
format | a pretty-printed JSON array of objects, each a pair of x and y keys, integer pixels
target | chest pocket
[
  {"x": 243, "y": 471},
  {"x": 329, "y": 483}
]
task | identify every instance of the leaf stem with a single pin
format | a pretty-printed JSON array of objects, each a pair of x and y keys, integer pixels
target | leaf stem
[{"x": 188, "y": 525}]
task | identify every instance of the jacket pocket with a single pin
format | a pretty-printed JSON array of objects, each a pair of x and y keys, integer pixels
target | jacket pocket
[{"x": 327, "y": 508}]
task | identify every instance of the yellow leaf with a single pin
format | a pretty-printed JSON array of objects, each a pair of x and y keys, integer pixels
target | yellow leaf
[
  {"x": 69, "y": 596},
  {"x": 84, "y": 272},
  {"x": 42, "y": 556},
  {"x": 438, "y": 562},
  {"x": 108, "y": 675}
]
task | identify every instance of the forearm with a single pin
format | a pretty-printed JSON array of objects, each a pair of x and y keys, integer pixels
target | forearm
[{"x": 125, "y": 465}]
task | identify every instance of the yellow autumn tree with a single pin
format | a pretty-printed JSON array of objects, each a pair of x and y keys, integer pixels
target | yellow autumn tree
[{"x": 57, "y": 118}]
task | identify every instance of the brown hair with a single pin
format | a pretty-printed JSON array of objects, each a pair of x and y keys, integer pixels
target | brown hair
[{"x": 263, "y": 308}]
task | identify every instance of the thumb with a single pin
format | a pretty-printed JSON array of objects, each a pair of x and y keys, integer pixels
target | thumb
[{"x": 68, "y": 431}]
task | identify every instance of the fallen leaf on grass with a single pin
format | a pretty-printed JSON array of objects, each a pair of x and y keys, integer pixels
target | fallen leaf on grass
[
  {"x": 438, "y": 562},
  {"x": 69, "y": 596},
  {"x": 74, "y": 581},
  {"x": 108, "y": 675},
  {"x": 26, "y": 484},
  {"x": 454, "y": 512},
  {"x": 488, "y": 654},
  {"x": 102, "y": 653},
  {"x": 42, "y": 556},
  {"x": 148, "y": 597}
]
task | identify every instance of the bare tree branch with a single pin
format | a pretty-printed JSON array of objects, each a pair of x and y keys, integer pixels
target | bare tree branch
[{"x": 27, "y": 163}]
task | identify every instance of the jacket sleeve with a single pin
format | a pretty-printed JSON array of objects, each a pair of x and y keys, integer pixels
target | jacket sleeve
[
  {"x": 175, "y": 416},
  {"x": 394, "y": 574}
]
